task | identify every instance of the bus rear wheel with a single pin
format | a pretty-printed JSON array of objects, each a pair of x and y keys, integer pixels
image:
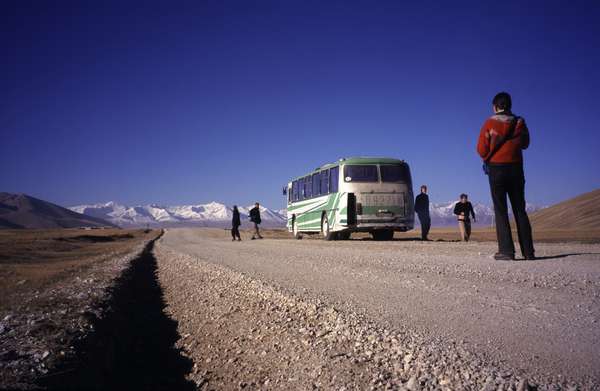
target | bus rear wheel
[
  {"x": 383, "y": 234},
  {"x": 326, "y": 229}
]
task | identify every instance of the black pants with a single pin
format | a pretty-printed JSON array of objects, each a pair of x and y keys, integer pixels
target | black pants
[
  {"x": 509, "y": 180},
  {"x": 425, "y": 224},
  {"x": 235, "y": 232}
]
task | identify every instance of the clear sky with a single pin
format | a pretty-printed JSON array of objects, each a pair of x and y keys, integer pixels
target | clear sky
[{"x": 188, "y": 102}]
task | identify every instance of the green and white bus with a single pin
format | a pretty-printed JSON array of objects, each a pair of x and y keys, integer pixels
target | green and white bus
[{"x": 358, "y": 194}]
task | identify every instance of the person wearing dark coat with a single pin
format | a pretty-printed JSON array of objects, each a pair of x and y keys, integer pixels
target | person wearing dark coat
[
  {"x": 463, "y": 210},
  {"x": 255, "y": 218},
  {"x": 422, "y": 210},
  {"x": 235, "y": 224},
  {"x": 502, "y": 140}
]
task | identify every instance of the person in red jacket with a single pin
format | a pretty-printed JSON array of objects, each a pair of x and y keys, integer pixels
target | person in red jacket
[{"x": 502, "y": 139}]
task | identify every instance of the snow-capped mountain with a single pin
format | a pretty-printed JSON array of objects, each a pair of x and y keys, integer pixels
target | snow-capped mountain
[
  {"x": 442, "y": 214},
  {"x": 213, "y": 214}
]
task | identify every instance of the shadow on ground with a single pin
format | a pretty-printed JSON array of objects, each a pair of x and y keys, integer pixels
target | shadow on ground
[
  {"x": 559, "y": 256},
  {"x": 409, "y": 239},
  {"x": 133, "y": 346}
]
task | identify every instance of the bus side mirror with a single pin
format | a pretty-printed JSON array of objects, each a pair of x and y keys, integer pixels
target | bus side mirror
[{"x": 285, "y": 190}]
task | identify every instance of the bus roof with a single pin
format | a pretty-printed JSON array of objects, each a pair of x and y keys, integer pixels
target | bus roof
[
  {"x": 368, "y": 160},
  {"x": 355, "y": 160}
]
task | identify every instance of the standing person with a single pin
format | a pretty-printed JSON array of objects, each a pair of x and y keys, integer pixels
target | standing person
[
  {"x": 422, "y": 209},
  {"x": 502, "y": 139},
  {"x": 463, "y": 209},
  {"x": 255, "y": 218},
  {"x": 235, "y": 224}
]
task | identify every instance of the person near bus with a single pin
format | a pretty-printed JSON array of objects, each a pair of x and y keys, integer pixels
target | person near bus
[
  {"x": 255, "y": 218},
  {"x": 464, "y": 210},
  {"x": 235, "y": 225},
  {"x": 502, "y": 139},
  {"x": 422, "y": 210}
]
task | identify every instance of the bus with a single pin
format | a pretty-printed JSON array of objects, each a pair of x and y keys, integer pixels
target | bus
[{"x": 355, "y": 194}]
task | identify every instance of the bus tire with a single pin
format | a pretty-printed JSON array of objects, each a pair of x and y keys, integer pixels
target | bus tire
[
  {"x": 295, "y": 232},
  {"x": 383, "y": 234},
  {"x": 326, "y": 229}
]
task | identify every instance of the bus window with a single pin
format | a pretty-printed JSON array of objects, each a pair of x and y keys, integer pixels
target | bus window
[
  {"x": 316, "y": 185},
  {"x": 333, "y": 179},
  {"x": 295, "y": 190},
  {"x": 325, "y": 182},
  {"x": 300, "y": 189},
  {"x": 360, "y": 173},
  {"x": 308, "y": 186},
  {"x": 395, "y": 173}
]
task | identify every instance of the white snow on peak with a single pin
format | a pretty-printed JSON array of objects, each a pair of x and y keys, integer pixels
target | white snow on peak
[
  {"x": 218, "y": 214},
  {"x": 210, "y": 214}
]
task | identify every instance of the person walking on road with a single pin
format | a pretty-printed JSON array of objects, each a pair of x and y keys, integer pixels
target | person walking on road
[
  {"x": 255, "y": 218},
  {"x": 502, "y": 139},
  {"x": 235, "y": 225},
  {"x": 463, "y": 210},
  {"x": 422, "y": 209}
]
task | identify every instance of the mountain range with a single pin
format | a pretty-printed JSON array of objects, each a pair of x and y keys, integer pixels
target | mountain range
[
  {"x": 216, "y": 214},
  {"x": 213, "y": 214},
  {"x": 23, "y": 211},
  {"x": 442, "y": 214},
  {"x": 581, "y": 212}
]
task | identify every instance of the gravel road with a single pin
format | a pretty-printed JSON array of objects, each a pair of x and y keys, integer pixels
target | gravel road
[{"x": 400, "y": 315}]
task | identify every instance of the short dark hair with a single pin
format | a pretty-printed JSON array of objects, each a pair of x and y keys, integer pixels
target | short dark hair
[
  {"x": 463, "y": 195},
  {"x": 503, "y": 101},
  {"x": 423, "y": 187}
]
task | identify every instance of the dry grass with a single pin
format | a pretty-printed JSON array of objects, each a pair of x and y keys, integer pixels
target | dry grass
[{"x": 33, "y": 259}]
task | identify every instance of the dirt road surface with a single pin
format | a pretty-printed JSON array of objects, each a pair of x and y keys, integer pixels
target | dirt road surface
[{"x": 400, "y": 315}]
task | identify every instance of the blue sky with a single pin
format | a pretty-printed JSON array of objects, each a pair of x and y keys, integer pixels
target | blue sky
[{"x": 189, "y": 102}]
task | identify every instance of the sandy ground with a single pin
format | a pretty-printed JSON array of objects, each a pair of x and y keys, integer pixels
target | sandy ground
[{"x": 403, "y": 314}]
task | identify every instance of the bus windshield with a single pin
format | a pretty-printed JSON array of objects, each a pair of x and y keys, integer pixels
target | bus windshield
[
  {"x": 360, "y": 173},
  {"x": 395, "y": 173}
]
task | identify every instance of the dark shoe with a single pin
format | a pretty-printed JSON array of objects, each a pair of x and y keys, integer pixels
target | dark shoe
[
  {"x": 260, "y": 237},
  {"x": 253, "y": 238},
  {"x": 239, "y": 239},
  {"x": 504, "y": 257},
  {"x": 530, "y": 257}
]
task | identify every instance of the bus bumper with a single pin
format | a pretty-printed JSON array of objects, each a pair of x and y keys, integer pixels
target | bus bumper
[{"x": 371, "y": 224}]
